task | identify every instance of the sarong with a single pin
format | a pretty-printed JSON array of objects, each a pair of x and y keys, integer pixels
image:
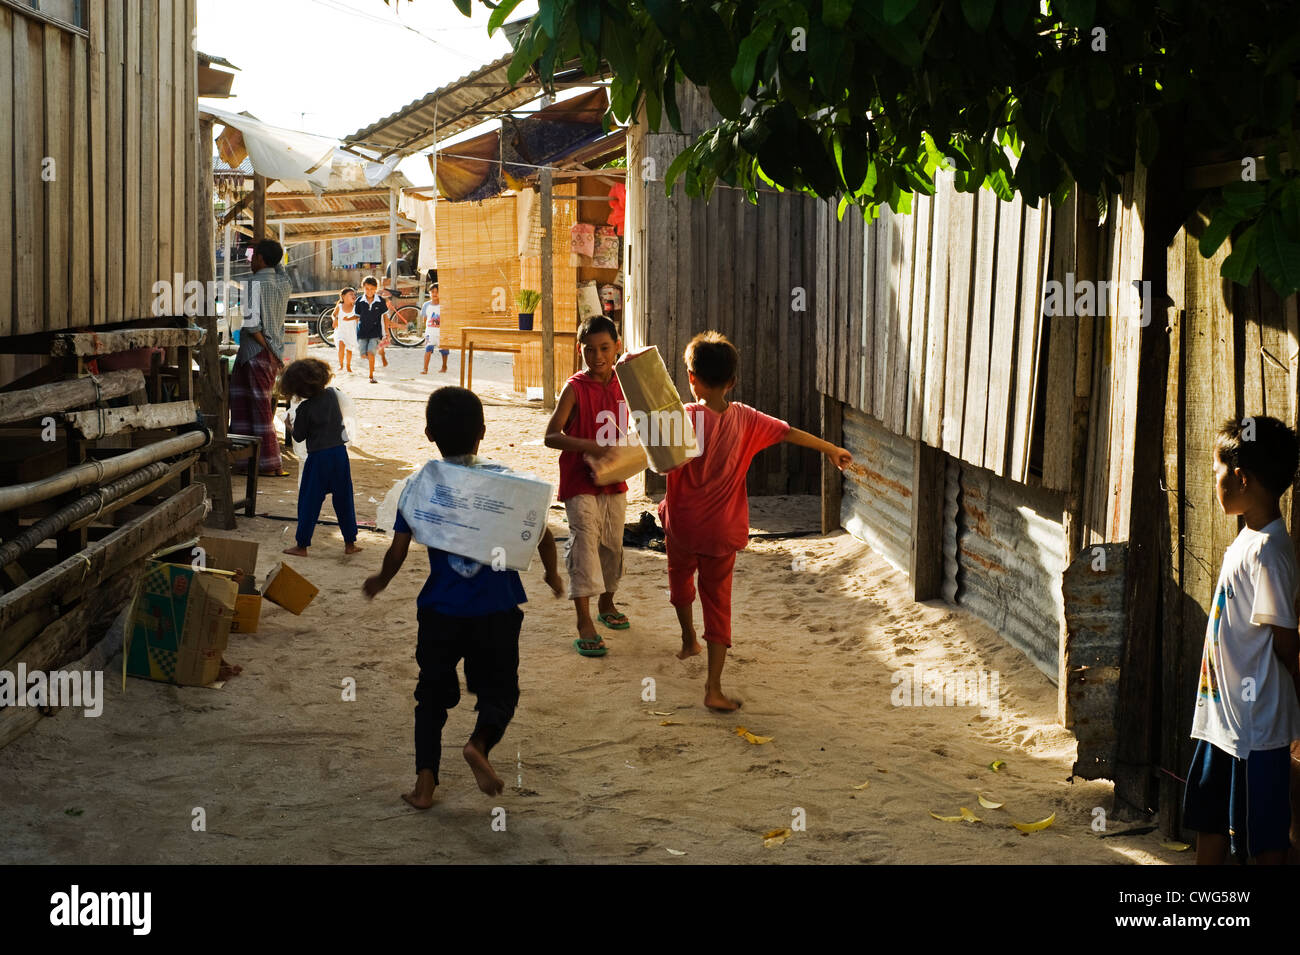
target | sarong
[{"x": 252, "y": 384}]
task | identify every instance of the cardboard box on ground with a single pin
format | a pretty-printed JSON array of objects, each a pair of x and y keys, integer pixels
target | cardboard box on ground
[
  {"x": 180, "y": 619},
  {"x": 240, "y": 557}
]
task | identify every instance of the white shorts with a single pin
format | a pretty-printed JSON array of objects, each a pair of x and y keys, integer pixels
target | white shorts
[{"x": 595, "y": 553}]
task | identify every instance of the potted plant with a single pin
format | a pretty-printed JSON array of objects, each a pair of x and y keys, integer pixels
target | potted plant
[{"x": 527, "y": 300}]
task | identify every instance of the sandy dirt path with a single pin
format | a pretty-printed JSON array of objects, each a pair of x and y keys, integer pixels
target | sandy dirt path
[{"x": 286, "y": 771}]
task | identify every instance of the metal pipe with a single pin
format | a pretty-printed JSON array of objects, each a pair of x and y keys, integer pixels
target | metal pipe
[
  {"x": 97, "y": 472},
  {"x": 84, "y": 506}
]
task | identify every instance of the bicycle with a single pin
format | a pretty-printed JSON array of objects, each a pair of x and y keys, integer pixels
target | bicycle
[
  {"x": 325, "y": 325},
  {"x": 405, "y": 327}
]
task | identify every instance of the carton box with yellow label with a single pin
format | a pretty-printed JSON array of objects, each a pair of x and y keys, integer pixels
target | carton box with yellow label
[{"x": 180, "y": 623}]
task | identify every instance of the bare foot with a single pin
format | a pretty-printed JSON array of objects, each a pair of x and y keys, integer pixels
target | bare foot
[
  {"x": 296, "y": 551},
  {"x": 421, "y": 797},
  {"x": 425, "y": 372},
  {"x": 484, "y": 774},
  {"x": 351, "y": 549},
  {"x": 718, "y": 702},
  {"x": 690, "y": 647}
]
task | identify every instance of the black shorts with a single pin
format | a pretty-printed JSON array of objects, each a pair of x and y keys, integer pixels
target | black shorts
[{"x": 1247, "y": 800}]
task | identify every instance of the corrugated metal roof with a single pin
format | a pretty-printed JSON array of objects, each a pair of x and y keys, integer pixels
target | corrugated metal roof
[{"x": 460, "y": 105}]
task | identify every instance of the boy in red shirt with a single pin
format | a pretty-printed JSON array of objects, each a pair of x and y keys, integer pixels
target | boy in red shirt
[
  {"x": 596, "y": 513},
  {"x": 705, "y": 511}
]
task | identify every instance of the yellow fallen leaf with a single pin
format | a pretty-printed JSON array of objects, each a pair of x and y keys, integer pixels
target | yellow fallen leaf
[
  {"x": 1176, "y": 846},
  {"x": 996, "y": 765},
  {"x": 669, "y": 723},
  {"x": 675, "y": 852},
  {"x": 1035, "y": 826},
  {"x": 945, "y": 818},
  {"x": 989, "y": 803},
  {"x": 741, "y": 731},
  {"x": 659, "y": 713},
  {"x": 775, "y": 837},
  {"x": 864, "y": 785},
  {"x": 758, "y": 739},
  {"x": 968, "y": 815}
]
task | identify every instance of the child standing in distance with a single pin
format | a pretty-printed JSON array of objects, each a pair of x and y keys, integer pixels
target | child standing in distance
[
  {"x": 1247, "y": 713},
  {"x": 432, "y": 312},
  {"x": 372, "y": 320},
  {"x": 596, "y": 513},
  {"x": 319, "y": 422},
  {"x": 705, "y": 511},
  {"x": 466, "y": 609},
  {"x": 345, "y": 326}
]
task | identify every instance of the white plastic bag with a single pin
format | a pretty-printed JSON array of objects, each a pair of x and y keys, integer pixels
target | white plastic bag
[
  {"x": 387, "y": 514},
  {"x": 351, "y": 425}
]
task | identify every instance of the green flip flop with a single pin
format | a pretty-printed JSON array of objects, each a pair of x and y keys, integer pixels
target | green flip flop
[
  {"x": 605, "y": 618},
  {"x": 590, "y": 651}
]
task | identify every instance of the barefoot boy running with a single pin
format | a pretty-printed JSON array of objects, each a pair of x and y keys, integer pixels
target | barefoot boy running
[
  {"x": 1238, "y": 786},
  {"x": 705, "y": 511},
  {"x": 596, "y": 513},
  {"x": 465, "y": 610}
]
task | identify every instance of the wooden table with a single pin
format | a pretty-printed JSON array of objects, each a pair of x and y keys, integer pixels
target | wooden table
[{"x": 502, "y": 340}]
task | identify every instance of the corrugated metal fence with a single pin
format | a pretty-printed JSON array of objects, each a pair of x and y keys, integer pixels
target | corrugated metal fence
[
  {"x": 877, "y": 503},
  {"x": 1010, "y": 554}
]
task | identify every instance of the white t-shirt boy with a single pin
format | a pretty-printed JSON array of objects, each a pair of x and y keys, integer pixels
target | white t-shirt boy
[
  {"x": 432, "y": 324},
  {"x": 1245, "y": 700}
]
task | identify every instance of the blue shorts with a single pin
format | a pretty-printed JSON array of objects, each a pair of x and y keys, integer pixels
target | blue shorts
[
  {"x": 367, "y": 346},
  {"x": 1248, "y": 800}
]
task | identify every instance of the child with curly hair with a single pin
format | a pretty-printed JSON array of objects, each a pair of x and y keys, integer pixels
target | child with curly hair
[{"x": 319, "y": 422}]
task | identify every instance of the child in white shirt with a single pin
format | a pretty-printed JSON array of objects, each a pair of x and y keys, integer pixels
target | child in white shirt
[
  {"x": 1247, "y": 707},
  {"x": 345, "y": 326}
]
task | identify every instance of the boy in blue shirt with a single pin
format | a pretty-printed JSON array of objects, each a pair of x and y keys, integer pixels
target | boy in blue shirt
[{"x": 466, "y": 609}]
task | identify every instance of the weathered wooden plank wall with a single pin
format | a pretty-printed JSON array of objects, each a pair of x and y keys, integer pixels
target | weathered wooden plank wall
[
  {"x": 941, "y": 338},
  {"x": 752, "y": 272},
  {"x": 98, "y": 171}
]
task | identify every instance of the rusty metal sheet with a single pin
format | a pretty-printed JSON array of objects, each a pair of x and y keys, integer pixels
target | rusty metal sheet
[
  {"x": 1010, "y": 556},
  {"x": 1095, "y": 587},
  {"x": 876, "y": 506}
]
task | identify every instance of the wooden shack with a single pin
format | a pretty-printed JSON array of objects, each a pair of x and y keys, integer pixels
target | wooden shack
[{"x": 98, "y": 404}]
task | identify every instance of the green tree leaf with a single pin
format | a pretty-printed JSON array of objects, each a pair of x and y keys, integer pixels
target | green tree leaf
[
  {"x": 498, "y": 17},
  {"x": 978, "y": 13},
  {"x": 1240, "y": 265},
  {"x": 1279, "y": 255}
]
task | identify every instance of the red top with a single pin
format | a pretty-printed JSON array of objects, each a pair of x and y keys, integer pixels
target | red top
[
  {"x": 705, "y": 508},
  {"x": 592, "y": 397}
]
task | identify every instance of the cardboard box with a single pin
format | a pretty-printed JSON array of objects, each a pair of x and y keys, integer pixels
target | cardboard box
[
  {"x": 489, "y": 516},
  {"x": 628, "y": 460},
  {"x": 239, "y": 557},
  {"x": 656, "y": 410},
  {"x": 248, "y": 611},
  {"x": 180, "y": 623},
  {"x": 223, "y": 553},
  {"x": 287, "y": 588}
]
